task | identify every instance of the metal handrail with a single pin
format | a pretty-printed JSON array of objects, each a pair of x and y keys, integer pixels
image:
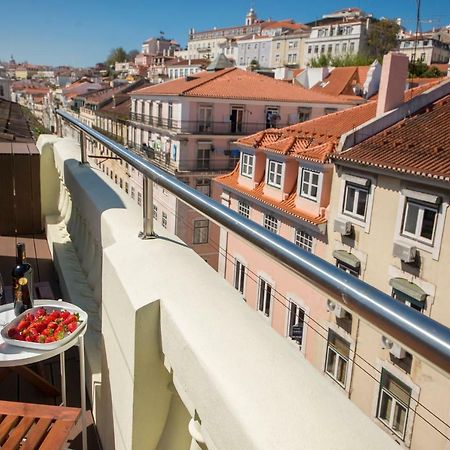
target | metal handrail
[{"x": 416, "y": 332}]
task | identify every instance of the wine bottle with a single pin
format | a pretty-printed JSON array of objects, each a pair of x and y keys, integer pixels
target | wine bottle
[{"x": 22, "y": 276}]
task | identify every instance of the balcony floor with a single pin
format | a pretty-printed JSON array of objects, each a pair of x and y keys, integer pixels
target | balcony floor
[{"x": 12, "y": 386}]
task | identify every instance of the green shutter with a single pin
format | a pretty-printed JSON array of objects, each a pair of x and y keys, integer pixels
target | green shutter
[{"x": 347, "y": 258}]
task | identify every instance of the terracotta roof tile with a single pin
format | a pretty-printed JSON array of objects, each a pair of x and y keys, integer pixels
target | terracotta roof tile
[
  {"x": 234, "y": 83},
  {"x": 288, "y": 205},
  {"x": 418, "y": 145}
]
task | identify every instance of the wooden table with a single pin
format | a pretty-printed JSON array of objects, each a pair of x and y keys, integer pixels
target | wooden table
[{"x": 28, "y": 426}]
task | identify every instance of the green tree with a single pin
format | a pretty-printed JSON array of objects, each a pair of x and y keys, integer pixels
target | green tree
[
  {"x": 382, "y": 37},
  {"x": 433, "y": 72},
  {"x": 116, "y": 55},
  {"x": 254, "y": 65},
  {"x": 322, "y": 61}
]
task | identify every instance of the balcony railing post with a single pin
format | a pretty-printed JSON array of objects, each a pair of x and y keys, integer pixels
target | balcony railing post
[
  {"x": 84, "y": 159},
  {"x": 147, "y": 210}
]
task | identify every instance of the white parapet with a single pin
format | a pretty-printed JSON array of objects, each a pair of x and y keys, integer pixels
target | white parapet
[{"x": 184, "y": 362}]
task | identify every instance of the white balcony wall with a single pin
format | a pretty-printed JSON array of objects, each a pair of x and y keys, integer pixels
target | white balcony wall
[{"x": 180, "y": 361}]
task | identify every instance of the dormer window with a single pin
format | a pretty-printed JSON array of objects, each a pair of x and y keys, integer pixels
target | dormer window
[
  {"x": 274, "y": 173},
  {"x": 247, "y": 163},
  {"x": 309, "y": 187}
]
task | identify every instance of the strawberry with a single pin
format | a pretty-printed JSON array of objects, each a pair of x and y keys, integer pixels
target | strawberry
[
  {"x": 70, "y": 319},
  {"x": 49, "y": 339},
  {"x": 72, "y": 327},
  {"x": 12, "y": 332},
  {"x": 41, "y": 312},
  {"x": 41, "y": 338},
  {"x": 23, "y": 324},
  {"x": 65, "y": 314}
]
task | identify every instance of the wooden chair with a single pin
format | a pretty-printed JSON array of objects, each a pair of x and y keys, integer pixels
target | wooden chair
[{"x": 28, "y": 426}]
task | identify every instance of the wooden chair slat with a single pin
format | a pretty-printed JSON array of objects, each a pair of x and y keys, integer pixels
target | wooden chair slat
[
  {"x": 41, "y": 411},
  {"x": 37, "y": 434},
  {"x": 57, "y": 435},
  {"x": 19, "y": 432},
  {"x": 6, "y": 426}
]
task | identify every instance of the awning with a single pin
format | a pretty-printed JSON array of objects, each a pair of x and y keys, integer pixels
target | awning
[
  {"x": 408, "y": 288},
  {"x": 347, "y": 258}
]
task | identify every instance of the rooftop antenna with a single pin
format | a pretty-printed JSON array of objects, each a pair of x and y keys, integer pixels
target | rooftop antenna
[{"x": 414, "y": 54}]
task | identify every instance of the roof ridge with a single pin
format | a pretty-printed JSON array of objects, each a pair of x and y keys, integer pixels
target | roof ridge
[{"x": 218, "y": 74}]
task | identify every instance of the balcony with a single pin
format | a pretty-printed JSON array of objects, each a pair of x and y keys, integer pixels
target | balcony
[
  {"x": 203, "y": 128},
  {"x": 167, "y": 365},
  {"x": 113, "y": 136}
]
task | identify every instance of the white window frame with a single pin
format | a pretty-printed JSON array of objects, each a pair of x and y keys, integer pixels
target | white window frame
[
  {"x": 264, "y": 302},
  {"x": 247, "y": 164},
  {"x": 244, "y": 209},
  {"x": 310, "y": 184},
  {"x": 304, "y": 240},
  {"x": 395, "y": 403},
  {"x": 275, "y": 171},
  {"x": 422, "y": 196},
  {"x": 362, "y": 181},
  {"x": 240, "y": 273},
  {"x": 294, "y": 310},
  {"x": 358, "y": 189},
  {"x": 419, "y": 224},
  {"x": 270, "y": 222},
  {"x": 339, "y": 359},
  {"x": 164, "y": 220},
  {"x": 155, "y": 212}
]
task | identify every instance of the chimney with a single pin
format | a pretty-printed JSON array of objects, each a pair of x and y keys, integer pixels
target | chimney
[{"x": 393, "y": 80}]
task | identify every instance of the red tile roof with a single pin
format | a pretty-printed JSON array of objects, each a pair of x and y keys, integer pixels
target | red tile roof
[
  {"x": 287, "y": 205},
  {"x": 234, "y": 83},
  {"x": 417, "y": 145},
  {"x": 306, "y": 140},
  {"x": 340, "y": 81}
]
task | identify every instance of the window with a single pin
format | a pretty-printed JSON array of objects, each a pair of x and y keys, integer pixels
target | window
[
  {"x": 244, "y": 209},
  {"x": 264, "y": 296},
  {"x": 316, "y": 49},
  {"x": 309, "y": 49},
  {"x": 304, "y": 240},
  {"x": 310, "y": 184},
  {"x": 338, "y": 352},
  {"x": 355, "y": 200},
  {"x": 164, "y": 220},
  {"x": 205, "y": 119},
  {"x": 203, "y": 185},
  {"x": 296, "y": 323},
  {"x": 352, "y": 47},
  {"x": 247, "y": 165},
  {"x": 139, "y": 199},
  {"x": 344, "y": 47},
  {"x": 201, "y": 231},
  {"x": 409, "y": 293},
  {"x": 271, "y": 223},
  {"x": 274, "y": 173},
  {"x": 203, "y": 156},
  {"x": 155, "y": 212},
  {"x": 132, "y": 192},
  {"x": 329, "y": 110},
  {"x": 336, "y": 48},
  {"x": 348, "y": 268},
  {"x": 239, "y": 276},
  {"x": 393, "y": 403},
  {"x": 304, "y": 114},
  {"x": 419, "y": 221},
  {"x": 170, "y": 115}
]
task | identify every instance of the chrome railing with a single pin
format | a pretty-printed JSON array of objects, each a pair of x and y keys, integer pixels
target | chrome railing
[{"x": 420, "y": 334}]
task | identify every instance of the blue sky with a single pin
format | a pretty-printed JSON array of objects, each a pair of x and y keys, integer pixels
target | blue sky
[{"x": 82, "y": 32}]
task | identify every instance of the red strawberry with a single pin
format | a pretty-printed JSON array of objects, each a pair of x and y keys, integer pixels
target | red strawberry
[
  {"x": 12, "y": 332},
  {"x": 41, "y": 312},
  {"x": 22, "y": 325},
  {"x": 49, "y": 339},
  {"x": 72, "y": 327}
]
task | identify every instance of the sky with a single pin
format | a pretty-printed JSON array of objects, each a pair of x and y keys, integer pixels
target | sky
[{"x": 81, "y": 33}]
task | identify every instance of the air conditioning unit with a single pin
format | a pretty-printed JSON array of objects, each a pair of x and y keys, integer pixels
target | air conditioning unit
[
  {"x": 395, "y": 349},
  {"x": 407, "y": 253},
  {"x": 336, "y": 309},
  {"x": 343, "y": 227}
]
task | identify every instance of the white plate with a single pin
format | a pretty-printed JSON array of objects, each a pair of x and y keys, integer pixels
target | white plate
[{"x": 50, "y": 345}]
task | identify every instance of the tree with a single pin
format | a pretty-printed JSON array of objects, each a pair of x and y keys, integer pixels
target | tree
[
  {"x": 116, "y": 55},
  {"x": 382, "y": 37},
  {"x": 322, "y": 61},
  {"x": 341, "y": 61},
  {"x": 132, "y": 54},
  {"x": 254, "y": 65}
]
